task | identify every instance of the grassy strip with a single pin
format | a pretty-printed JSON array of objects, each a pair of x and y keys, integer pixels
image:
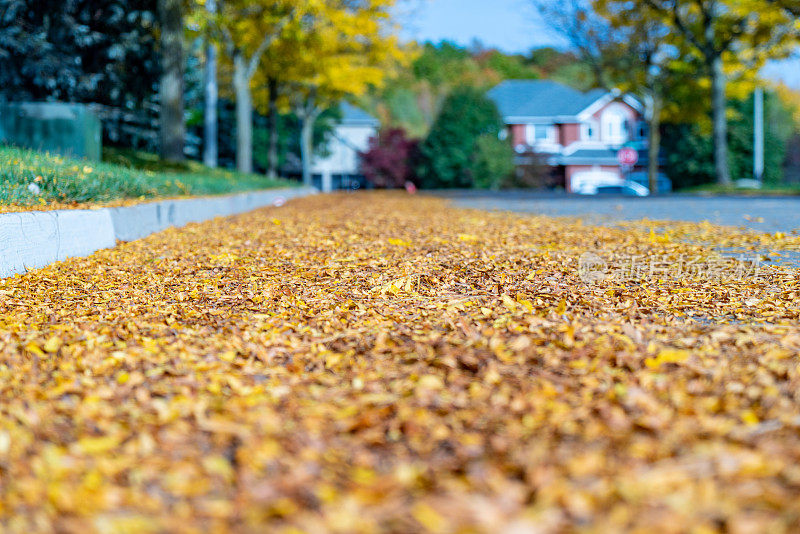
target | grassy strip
[
  {"x": 766, "y": 189},
  {"x": 126, "y": 175}
]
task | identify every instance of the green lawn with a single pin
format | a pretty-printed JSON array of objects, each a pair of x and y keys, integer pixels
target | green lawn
[
  {"x": 124, "y": 175},
  {"x": 766, "y": 189}
]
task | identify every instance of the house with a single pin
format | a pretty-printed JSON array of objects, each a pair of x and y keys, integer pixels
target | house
[
  {"x": 577, "y": 134},
  {"x": 340, "y": 166}
]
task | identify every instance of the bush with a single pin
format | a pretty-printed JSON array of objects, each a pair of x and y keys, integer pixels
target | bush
[
  {"x": 492, "y": 163},
  {"x": 446, "y": 155},
  {"x": 388, "y": 161},
  {"x": 533, "y": 172}
]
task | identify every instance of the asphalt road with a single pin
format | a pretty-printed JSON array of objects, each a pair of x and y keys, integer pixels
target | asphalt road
[{"x": 767, "y": 214}]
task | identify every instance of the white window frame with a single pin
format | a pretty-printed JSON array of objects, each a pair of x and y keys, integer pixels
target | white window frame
[
  {"x": 530, "y": 134},
  {"x": 595, "y": 131},
  {"x": 614, "y": 124}
]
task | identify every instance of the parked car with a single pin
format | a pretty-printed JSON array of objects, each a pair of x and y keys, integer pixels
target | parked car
[
  {"x": 626, "y": 188},
  {"x": 640, "y": 177}
]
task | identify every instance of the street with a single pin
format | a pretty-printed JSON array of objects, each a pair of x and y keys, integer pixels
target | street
[{"x": 766, "y": 214}]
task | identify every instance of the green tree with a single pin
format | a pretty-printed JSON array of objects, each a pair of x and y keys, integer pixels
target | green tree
[
  {"x": 446, "y": 155},
  {"x": 492, "y": 162},
  {"x": 729, "y": 36},
  {"x": 102, "y": 51},
  {"x": 689, "y": 148},
  {"x": 509, "y": 67}
]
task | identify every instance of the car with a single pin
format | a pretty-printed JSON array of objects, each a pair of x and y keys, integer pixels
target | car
[
  {"x": 626, "y": 188},
  {"x": 641, "y": 178}
]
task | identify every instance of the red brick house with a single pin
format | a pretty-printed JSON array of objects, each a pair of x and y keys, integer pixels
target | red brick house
[{"x": 578, "y": 134}]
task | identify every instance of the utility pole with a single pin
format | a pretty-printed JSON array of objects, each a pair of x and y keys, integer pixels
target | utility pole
[
  {"x": 211, "y": 96},
  {"x": 758, "y": 135}
]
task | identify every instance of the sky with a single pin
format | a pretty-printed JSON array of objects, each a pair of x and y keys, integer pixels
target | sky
[{"x": 509, "y": 25}]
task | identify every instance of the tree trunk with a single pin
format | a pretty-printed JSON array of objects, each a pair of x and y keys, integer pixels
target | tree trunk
[
  {"x": 306, "y": 147},
  {"x": 172, "y": 130},
  {"x": 211, "y": 93},
  {"x": 653, "y": 144},
  {"x": 272, "y": 125},
  {"x": 719, "y": 108},
  {"x": 244, "y": 115}
]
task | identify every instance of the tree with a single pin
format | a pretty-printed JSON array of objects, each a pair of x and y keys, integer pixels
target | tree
[
  {"x": 690, "y": 149},
  {"x": 413, "y": 98},
  {"x": 492, "y": 162},
  {"x": 592, "y": 37},
  {"x": 648, "y": 63},
  {"x": 388, "y": 163},
  {"x": 741, "y": 33},
  {"x": 172, "y": 127},
  {"x": 446, "y": 155},
  {"x": 100, "y": 51},
  {"x": 247, "y": 29},
  {"x": 345, "y": 48},
  {"x": 210, "y": 98},
  {"x": 271, "y": 98}
]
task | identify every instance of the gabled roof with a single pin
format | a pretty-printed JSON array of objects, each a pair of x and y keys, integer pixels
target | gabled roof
[
  {"x": 541, "y": 99},
  {"x": 595, "y": 156},
  {"x": 353, "y": 116}
]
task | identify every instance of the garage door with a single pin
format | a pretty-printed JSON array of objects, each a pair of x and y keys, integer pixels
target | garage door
[{"x": 594, "y": 177}]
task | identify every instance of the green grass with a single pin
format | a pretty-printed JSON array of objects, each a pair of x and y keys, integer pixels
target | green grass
[
  {"x": 766, "y": 189},
  {"x": 125, "y": 174}
]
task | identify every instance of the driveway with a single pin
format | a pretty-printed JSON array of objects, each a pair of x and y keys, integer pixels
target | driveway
[{"x": 766, "y": 214}]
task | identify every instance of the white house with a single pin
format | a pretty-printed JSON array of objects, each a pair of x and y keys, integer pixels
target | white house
[{"x": 341, "y": 168}]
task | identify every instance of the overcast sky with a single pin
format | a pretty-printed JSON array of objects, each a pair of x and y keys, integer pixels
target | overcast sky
[{"x": 510, "y": 25}]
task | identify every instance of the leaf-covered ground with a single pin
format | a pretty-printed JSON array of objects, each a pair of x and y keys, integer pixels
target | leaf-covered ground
[{"x": 371, "y": 363}]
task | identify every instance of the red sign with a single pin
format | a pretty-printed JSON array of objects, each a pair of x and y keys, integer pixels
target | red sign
[{"x": 627, "y": 156}]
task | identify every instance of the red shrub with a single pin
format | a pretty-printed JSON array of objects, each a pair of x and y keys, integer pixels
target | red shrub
[{"x": 388, "y": 161}]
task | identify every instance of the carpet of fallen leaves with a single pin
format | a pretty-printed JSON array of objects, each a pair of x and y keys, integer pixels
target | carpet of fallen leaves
[{"x": 355, "y": 363}]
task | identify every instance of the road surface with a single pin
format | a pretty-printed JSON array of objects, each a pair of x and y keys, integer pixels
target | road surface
[{"x": 767, "y": 214}]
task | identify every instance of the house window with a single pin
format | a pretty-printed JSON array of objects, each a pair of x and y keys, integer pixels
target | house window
[
  {"x": 589, "y": 131},
  {"x": 539, "y": 133},
  {"x": 615, "y": 125}
]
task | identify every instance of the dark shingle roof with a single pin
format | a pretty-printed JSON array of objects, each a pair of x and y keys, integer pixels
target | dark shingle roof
[
  {"x": 541, "y": 98},
  {"x": 352, "y": 115}
]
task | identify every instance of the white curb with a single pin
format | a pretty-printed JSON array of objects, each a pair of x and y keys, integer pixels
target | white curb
[{"x": 33, "y": 239}]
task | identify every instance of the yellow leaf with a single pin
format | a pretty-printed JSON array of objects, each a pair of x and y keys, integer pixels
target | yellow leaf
[
  {"x": 97, "y": 445},
  {"x": 667, "y": 356},
  {"x": 749, "y": 417},
  {"x": 428, "y": 517},
  {"x": 53, "y": 344},
  {"x": 430, "y": 382},
  {"x": 34, "y": 348}
]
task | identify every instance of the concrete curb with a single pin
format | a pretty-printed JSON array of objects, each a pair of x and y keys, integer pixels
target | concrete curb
[{"x": 30, "y": 240}]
